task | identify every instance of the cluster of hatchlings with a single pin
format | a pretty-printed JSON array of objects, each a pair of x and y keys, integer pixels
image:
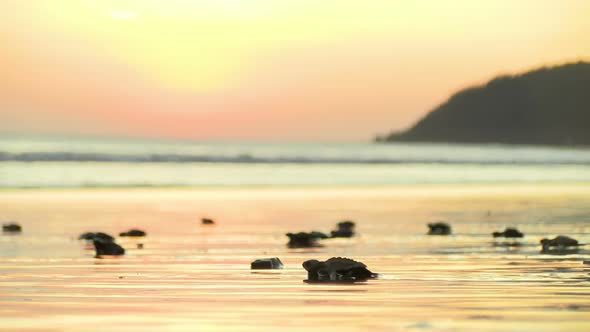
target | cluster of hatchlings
[{"x": 335, "y": 269}]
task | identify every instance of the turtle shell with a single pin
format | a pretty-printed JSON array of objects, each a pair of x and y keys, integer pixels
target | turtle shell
[
  {"x": 343, "y": 264},
  {"x": 565, "y": 241},
  {"x": 337, "y": 269}
]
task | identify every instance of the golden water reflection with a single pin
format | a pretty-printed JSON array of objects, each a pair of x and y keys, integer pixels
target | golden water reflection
[{"x": 194, "y": 278}]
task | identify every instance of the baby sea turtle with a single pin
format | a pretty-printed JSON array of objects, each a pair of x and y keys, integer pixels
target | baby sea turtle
[
  {"x": 304, "y": 239},
  {"x": 133, "y": 233},
  {"x": 337, "y": 269},
  {"x": 11, "y": 228},
  {"x": 90, "y": 236},
  {"x": 509, "y": 232},
  {"x": 560, "y": 242},
  {"x": 267, "y": 264},
  {"x": 345, "y": 229},
  {"x": 107, "y": 249},
  {"x": 439, "y": 228}
]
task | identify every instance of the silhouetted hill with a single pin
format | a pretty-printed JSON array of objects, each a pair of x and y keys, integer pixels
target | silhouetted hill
[{"x": 549, "y": 106}]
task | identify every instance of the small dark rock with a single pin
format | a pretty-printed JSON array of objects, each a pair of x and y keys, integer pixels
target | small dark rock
[
  {"x": 11, "y": 228},
  {"x": 439, "y": 228},
  {"x": 133, "y": 233},
  {"x": 207, "y": 221},
  {"x": 266, "y": 264},
  {"x": 337, "y": 269},
  {"x": 140, "y": 246},
  {"x": 509, "y": 233}
]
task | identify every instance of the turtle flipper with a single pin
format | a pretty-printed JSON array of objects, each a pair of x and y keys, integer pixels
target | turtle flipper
[{"x": 358, "y": 273}]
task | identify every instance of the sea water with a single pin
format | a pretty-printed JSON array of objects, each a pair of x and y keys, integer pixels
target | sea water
[
  {"x": 61, "y": 162},
  {"x": 190, "y": 277}
]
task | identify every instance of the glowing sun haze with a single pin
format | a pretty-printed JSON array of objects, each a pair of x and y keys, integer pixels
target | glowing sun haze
[{"x": 263, "y": 69}]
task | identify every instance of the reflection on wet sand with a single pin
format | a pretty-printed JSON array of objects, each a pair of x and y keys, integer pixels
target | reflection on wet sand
[
  {"x": 190, "y": 278},
  {"x": 560, "y": 251}
]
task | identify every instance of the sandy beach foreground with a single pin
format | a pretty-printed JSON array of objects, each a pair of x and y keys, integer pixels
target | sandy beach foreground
[{"x": 190, "y": 277}]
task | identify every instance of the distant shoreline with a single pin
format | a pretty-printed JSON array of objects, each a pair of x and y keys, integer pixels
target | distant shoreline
[
  {"x": 386, "y": 140},
  {"x": 386, "y": 189}
]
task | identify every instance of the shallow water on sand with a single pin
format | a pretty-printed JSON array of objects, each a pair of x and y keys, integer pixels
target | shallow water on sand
[{"x": 190, "y": 277}]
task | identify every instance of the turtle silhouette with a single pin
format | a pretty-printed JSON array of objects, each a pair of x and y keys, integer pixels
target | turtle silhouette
[
  {"x": 11, "y": 228},
  {"x": 439, "y": 228},
  {"x": 509, "y": 232},
  {"x": 304, "y": 239},
  {"x": 91, "y": 236},
  {"x": 107, "y": 249},
  {"x": 345, "y": 229},
  {"x": 133, "y": 233},
  {"x": 560, "y": 242},
  {"x": 337, "y": 269}
]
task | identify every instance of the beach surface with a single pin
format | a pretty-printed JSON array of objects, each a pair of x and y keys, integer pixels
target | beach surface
[{"x": 191, "y": 277}]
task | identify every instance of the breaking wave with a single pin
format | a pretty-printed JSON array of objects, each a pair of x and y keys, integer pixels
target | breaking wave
[{"x": 249, "y": 159}]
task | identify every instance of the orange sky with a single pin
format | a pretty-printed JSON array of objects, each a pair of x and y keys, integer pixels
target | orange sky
[{"x": 292, "y": 70}]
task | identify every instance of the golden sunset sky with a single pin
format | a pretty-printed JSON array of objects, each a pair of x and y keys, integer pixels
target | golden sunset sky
[{"x": 278, "y": 70}]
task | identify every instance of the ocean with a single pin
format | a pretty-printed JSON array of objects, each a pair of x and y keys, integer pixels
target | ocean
[
  {"x": 191, "y": 277},
  {"x": 72, "y": 163}
]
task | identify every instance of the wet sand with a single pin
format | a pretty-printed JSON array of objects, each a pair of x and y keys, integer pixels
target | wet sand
[{"x": 191, "y": 277}]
